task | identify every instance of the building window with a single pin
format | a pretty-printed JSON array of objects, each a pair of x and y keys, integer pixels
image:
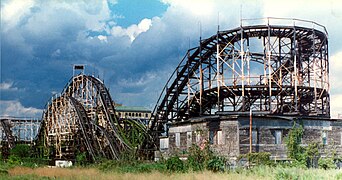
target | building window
[
  {"x": 164, "y": 143},
  {"x": 215, "y": 137},
  {"x": 219, "y": 137},
  {"x": 146, "y": 115},
  {"x": 177, "y": 139},
  {"x": 198, "y": 137},
  {"x": 278, "y": 136},
  {"x": 254, "y": 136},
  {"x": 139, "y": 114},
  {"x": 324, "y": 138},
  {"x": 189, "y": 139}
]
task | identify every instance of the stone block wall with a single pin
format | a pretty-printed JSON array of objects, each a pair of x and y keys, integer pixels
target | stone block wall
[{"x": 229, "y": 136}]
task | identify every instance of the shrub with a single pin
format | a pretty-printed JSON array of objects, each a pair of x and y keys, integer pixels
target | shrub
[
  {"x": 21, "y": 151},
  {"x": 198, "y": 157},
  {"x": 326, "y": 163},
  {"x": 216, "y": 164},
  {"x": 260, "y": 158},
  {"x": 15, "y": 160},
  {"x": 293, "y": 141},
  {"x": 174, "y": 164},
  {"x": 81, "y": 158}
]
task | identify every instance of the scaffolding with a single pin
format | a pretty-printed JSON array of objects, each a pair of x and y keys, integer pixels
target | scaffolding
[{"x": 262, "y": 67}]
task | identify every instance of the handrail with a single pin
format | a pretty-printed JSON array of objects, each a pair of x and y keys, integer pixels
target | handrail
[{"x": 288, "y": 19}]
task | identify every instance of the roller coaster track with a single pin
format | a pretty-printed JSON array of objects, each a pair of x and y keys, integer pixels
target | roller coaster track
[
  {"x": 84, "y": 112},
  {"x": 255, "y": 92},
  {"x": 295, "y": 79},
  {"x": 82, "y": 119},
  {"x": 85, "y": 126}
]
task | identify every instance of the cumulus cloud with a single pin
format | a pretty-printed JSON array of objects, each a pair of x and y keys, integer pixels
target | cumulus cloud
[
  {"x": 132, "y": 31},
  {"x": 16, "y": 109},
  {"x": 13, "y": 11},
  {"x": 47, "y": 37},
  {"x": 7, "y": 86}
]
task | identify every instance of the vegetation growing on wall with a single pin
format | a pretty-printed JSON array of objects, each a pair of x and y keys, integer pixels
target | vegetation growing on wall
[{"x": 306, "y": 157}]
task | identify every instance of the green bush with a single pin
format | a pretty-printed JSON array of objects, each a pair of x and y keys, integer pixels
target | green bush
[
  {"x": 21, "y": 151},
  {"x": 293, "y": 141},
  {"x": 260, "y": 158},
  {"x": 81, "y": 158},
  {"x": 216, "y": 164},
  {"x": 174, "y": 164},
  {"x": 15, "y": 160},
  {"x": 198, "y": 157},
  {"x": 326, "y": 163}
]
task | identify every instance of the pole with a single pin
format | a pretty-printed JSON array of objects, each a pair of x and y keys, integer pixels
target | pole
[{"x": 250, "y": 131}]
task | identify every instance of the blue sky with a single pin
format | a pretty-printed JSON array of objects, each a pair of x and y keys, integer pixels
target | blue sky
[
  {"x": 133, "y": 45},
  {"x": 142, "y": 9}
]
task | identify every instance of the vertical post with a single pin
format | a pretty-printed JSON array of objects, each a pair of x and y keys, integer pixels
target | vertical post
[
  {"x": 269, "y": 66},
  {"x": 314, "y": 66},
  {"x": 218, "y": 69},
  {"x": 295, "y": 68},
  {"x": 188, "y": 84},
  {"x": 201, "y": 71},
  {"x": 250, "y": 131},
  {"x": 248, "y": 63},
  {"x": 242, "y": 70}
]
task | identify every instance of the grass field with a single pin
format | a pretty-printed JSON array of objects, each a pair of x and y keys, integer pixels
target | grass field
[{"x": 262, "y": 172}]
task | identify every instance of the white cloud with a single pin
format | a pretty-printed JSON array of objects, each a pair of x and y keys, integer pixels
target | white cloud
[
  {"x": 336, "y": 84},
  {"x": 95, "y": 13},
  {"x": 7, "y": 86},
  {"x": 132, "y": 31},
  {"x": 335, "y": 105},
  {"x": 60, "y": 28},
  {"x": 102, "y": 38},
  {"x": 13, "y": 11},
  {"x": 16, "y": 109}
]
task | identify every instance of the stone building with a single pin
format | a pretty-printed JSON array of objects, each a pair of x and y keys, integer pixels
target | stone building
[
  {"x": 133, "y": 112},
  {"x": 228, "y": 135}
]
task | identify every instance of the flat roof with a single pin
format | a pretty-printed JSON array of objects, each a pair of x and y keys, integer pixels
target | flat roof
[{"x": 132, "y": 109}]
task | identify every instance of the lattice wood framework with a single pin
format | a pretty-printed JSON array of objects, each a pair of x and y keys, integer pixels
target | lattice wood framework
[
  {"x": 18, "y": 130},
  {"x": 82, "y": 119},
  {"x": 268, "y": 69}
]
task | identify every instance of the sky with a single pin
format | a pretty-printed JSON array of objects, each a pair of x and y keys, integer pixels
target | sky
[{"x": 133, "y": 45}]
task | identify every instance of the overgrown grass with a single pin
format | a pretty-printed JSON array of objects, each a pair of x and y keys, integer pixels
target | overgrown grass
[
  {"x": 258, "y": 172},
  {"x": 131, "y": 167}
]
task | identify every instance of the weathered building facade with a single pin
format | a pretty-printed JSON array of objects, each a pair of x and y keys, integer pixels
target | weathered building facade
[{"x": 229, "y": 135}]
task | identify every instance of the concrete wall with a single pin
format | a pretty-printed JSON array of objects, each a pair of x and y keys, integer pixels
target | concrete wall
[{"x": 229, "y": 135}]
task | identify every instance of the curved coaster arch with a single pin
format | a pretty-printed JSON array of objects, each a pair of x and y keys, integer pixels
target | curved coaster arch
[
  {"x": 267, "y": 69},
  {"x": 82, "y": 119}
]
